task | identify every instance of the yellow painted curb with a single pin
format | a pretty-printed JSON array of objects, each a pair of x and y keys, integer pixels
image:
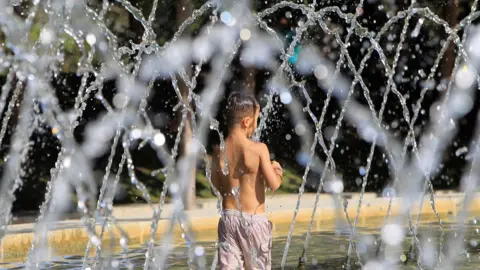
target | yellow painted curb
[{"x": 15, "y": 247}]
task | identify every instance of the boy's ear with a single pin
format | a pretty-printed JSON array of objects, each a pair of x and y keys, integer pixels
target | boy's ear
[{"x": 246, "y": 122}]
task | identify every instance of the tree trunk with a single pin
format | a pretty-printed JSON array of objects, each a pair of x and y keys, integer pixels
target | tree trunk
[
  {"x": 249, "y": 73},
  {"x": 190, "y": 191},
  {"x": 451, "y": 14},
  {"x": 184, "y": 10}
]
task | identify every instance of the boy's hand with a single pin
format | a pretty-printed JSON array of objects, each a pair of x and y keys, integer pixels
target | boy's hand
[{"x": 277, "y": 168}]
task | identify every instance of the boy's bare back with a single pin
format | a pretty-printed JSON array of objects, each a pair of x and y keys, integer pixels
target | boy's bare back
[
  {"x": 249, "y": 164},
  {"x": 249, "y": 167},
  {"x": 249, "y": 170}
]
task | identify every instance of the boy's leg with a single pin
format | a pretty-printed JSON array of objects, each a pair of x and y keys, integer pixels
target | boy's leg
[
  {"x": 229, "y": 257},
  {"x": 229, "y": 253},
  {"x": 255, "y": 239}
]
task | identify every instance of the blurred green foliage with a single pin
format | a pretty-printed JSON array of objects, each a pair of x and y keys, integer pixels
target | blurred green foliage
[{"x": 127, "y": 28}]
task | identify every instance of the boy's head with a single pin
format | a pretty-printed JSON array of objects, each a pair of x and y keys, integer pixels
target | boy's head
[{"x": 242, "y": 111}]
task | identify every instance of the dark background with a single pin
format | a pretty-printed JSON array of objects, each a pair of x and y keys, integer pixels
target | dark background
[{"x": 351, "y": 153}]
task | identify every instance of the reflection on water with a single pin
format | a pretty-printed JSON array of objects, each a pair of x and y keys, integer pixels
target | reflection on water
[{"x": 327, "y": 250}]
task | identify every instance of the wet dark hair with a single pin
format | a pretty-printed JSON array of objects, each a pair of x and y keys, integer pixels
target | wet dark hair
[{"x": 239, "y": 106}]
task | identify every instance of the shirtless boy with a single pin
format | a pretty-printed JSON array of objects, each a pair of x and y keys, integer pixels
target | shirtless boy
[{"x": 245, "y": 234}]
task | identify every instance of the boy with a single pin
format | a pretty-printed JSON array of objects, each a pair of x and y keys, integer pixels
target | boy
[{"x": 244, "y": 232}]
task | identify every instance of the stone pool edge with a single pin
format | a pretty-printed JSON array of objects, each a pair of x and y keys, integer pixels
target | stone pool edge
[{"x": 16, "y": 245}]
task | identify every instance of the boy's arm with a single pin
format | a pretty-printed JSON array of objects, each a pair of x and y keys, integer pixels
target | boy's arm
[
  {"x": 215, "y": 172},
  {"x": 273, "y": 179}
]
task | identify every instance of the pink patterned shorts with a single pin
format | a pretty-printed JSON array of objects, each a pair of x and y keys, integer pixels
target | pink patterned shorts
[{"x": 245, "y": 241}]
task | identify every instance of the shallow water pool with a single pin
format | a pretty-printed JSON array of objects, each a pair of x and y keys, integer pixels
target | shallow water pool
[{"x": 327, "y": 250}]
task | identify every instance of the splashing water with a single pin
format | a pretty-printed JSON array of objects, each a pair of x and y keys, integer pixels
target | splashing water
[{"x": 233, "y": 30}]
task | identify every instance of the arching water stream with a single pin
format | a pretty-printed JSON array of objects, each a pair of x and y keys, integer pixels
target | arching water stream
[{"x": 234, "y": 29}]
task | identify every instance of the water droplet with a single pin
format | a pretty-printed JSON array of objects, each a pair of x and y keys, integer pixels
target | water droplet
[
  {"x": 67, "y": 162},
  {"x": 81, "y": 204},
  {"x": 473, "y": 243},
  {"x": 236, "y": 191},
  {"x": 55, "y": 130},
  {"x": 362, "y": 171},
  {"x": 199, "y": 251},
  {"x": 227, "y": 18},
  {"x": 245, "y": 34},
  {"x": 303, "y": 158},
  {"x": 461, "y": 151},
  {"x": 418, "y": 27},
  {"x": 123, "y": 242},
  {"x": 394, "y": 124},
  {"x": 460, "y": 103},
  {"x": 136, "y": 133},
  {"x": 393, "y": 234},
  {"x": 133, "y": 180},
  {"x": 94, "y": 239},
  {"x": 358, "y": 181},
  {"x": 337, "y": 186},
  {"x": 286, "y": 97},
  {"x": 321, "y": 72},
  {"x": 389, "y": 193},
  {"x": 473, "y": 48},
  {"x": 300, "y": 129},
  {"x": 91, "y": 39},
  {"x": 115, "y": 263},
  {"x": 47, "y": 36},
  {"x": 159, "y": 139},
  {"x": 174, "y": 188},
  {"x": 465, "y": 77}
]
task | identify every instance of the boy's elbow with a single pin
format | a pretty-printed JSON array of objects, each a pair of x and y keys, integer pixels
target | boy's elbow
[{"x": 277, "y": 185}]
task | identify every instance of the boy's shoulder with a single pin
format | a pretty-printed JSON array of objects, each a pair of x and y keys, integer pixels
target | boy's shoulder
[{"x": 258, "y": 147}]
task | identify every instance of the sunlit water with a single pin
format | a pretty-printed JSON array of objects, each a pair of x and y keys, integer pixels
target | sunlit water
[{"x": 327, "y": 250}]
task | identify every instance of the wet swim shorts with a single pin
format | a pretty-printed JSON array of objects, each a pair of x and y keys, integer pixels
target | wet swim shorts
[{"x": 245, "y": 241}]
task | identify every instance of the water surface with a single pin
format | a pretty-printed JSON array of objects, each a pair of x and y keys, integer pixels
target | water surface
[{"x": 327, "y": 249}]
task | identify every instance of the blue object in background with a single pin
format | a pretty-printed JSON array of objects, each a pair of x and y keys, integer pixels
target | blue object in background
[
  {"x": 294, "y": 58},
  {"x": 289, "y": 38}
]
